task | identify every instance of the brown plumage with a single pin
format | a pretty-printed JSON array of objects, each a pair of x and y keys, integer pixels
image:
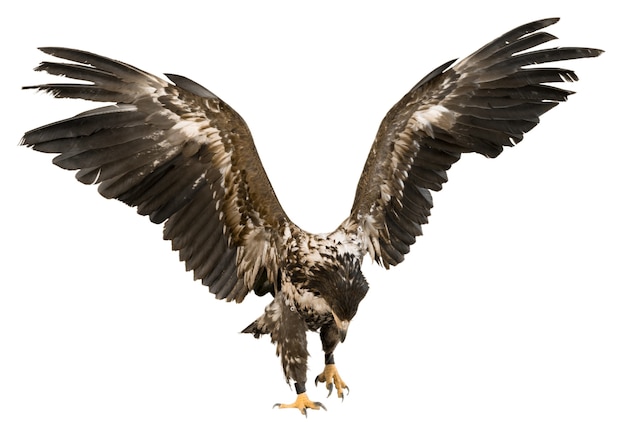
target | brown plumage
[{"x": 182, "y": 156}]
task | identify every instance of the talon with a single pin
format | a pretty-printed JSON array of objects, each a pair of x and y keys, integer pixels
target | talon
[
  {"x": 302, "y": 403},
  {"x": 332, "y": 379}
]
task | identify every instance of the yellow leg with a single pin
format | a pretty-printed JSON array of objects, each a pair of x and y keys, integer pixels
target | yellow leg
[
  {"x": 331, "y": 377},
  {"x": 302, "y": 403}
]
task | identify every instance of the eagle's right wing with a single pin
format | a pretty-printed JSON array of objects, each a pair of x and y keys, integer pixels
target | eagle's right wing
[
  {"x": 481, "y": 104},
  {"x": 179, "y": 154}
]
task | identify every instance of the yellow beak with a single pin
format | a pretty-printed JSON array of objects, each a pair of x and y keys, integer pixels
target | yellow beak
[{"x": 342, "y": 326}]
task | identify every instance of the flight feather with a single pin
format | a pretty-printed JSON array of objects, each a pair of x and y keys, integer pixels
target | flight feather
[{"x": 180, "y": 155}]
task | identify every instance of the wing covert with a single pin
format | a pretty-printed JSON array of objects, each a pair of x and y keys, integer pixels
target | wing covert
[
  {"x": 481, "y": 104},
  {"x": 181, "y": 156}
]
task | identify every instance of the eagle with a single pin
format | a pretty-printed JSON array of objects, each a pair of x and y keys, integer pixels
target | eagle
[{"x": 185, "y": 158}]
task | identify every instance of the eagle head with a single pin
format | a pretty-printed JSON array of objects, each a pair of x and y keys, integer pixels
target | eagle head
[{"x": 342, "y": 285}]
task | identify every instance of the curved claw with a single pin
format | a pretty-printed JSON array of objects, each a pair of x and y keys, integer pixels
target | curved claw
[
  {"x": 347, "y": 392},
  {"x": 322, "y": 378}
]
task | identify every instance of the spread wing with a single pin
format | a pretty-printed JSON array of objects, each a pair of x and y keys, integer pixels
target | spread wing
[
  {"x": 179, "y": 154},
  {"x": 481, "y": 104}
]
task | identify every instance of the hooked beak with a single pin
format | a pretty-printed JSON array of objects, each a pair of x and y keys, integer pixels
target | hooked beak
[{"x": 342, "y": 326}]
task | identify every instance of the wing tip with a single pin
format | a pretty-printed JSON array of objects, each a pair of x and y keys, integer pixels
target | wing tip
[
  {"x": 594, "y": 52},
  {"x": 541, "y": 23},
  {"x": 190, "y": 85},
  {"x": 56, "y": 51},
  {"x": 550, "y": 21}
]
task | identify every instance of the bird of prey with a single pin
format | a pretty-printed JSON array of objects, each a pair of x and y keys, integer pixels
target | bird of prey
[{"x": 184, "y": 157}]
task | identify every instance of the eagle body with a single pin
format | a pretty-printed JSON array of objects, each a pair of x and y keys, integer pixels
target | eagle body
[
  {"x": 185, "y": 158},
  {"x": 321, "y": 286}
]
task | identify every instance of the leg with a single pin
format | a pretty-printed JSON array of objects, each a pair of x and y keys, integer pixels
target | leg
[
  {"x": 288, "y": 332},
  {"x": 330, "y": 337}
]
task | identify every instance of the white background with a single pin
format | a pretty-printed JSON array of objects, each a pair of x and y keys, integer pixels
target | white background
[{"x": 507, "y": 314}]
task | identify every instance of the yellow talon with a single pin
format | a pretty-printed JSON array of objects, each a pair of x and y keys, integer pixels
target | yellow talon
[
  {"x": 330, "y": 375},
  {"x": 302, "y": 403}
]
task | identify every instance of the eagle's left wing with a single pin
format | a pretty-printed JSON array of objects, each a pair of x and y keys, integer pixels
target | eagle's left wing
[
  {"x": 481, "y": 104},
  {"x": 179, "y": 154}
]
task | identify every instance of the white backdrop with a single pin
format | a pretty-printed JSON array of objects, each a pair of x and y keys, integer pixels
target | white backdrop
[{"x": 507, "y": 314}]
